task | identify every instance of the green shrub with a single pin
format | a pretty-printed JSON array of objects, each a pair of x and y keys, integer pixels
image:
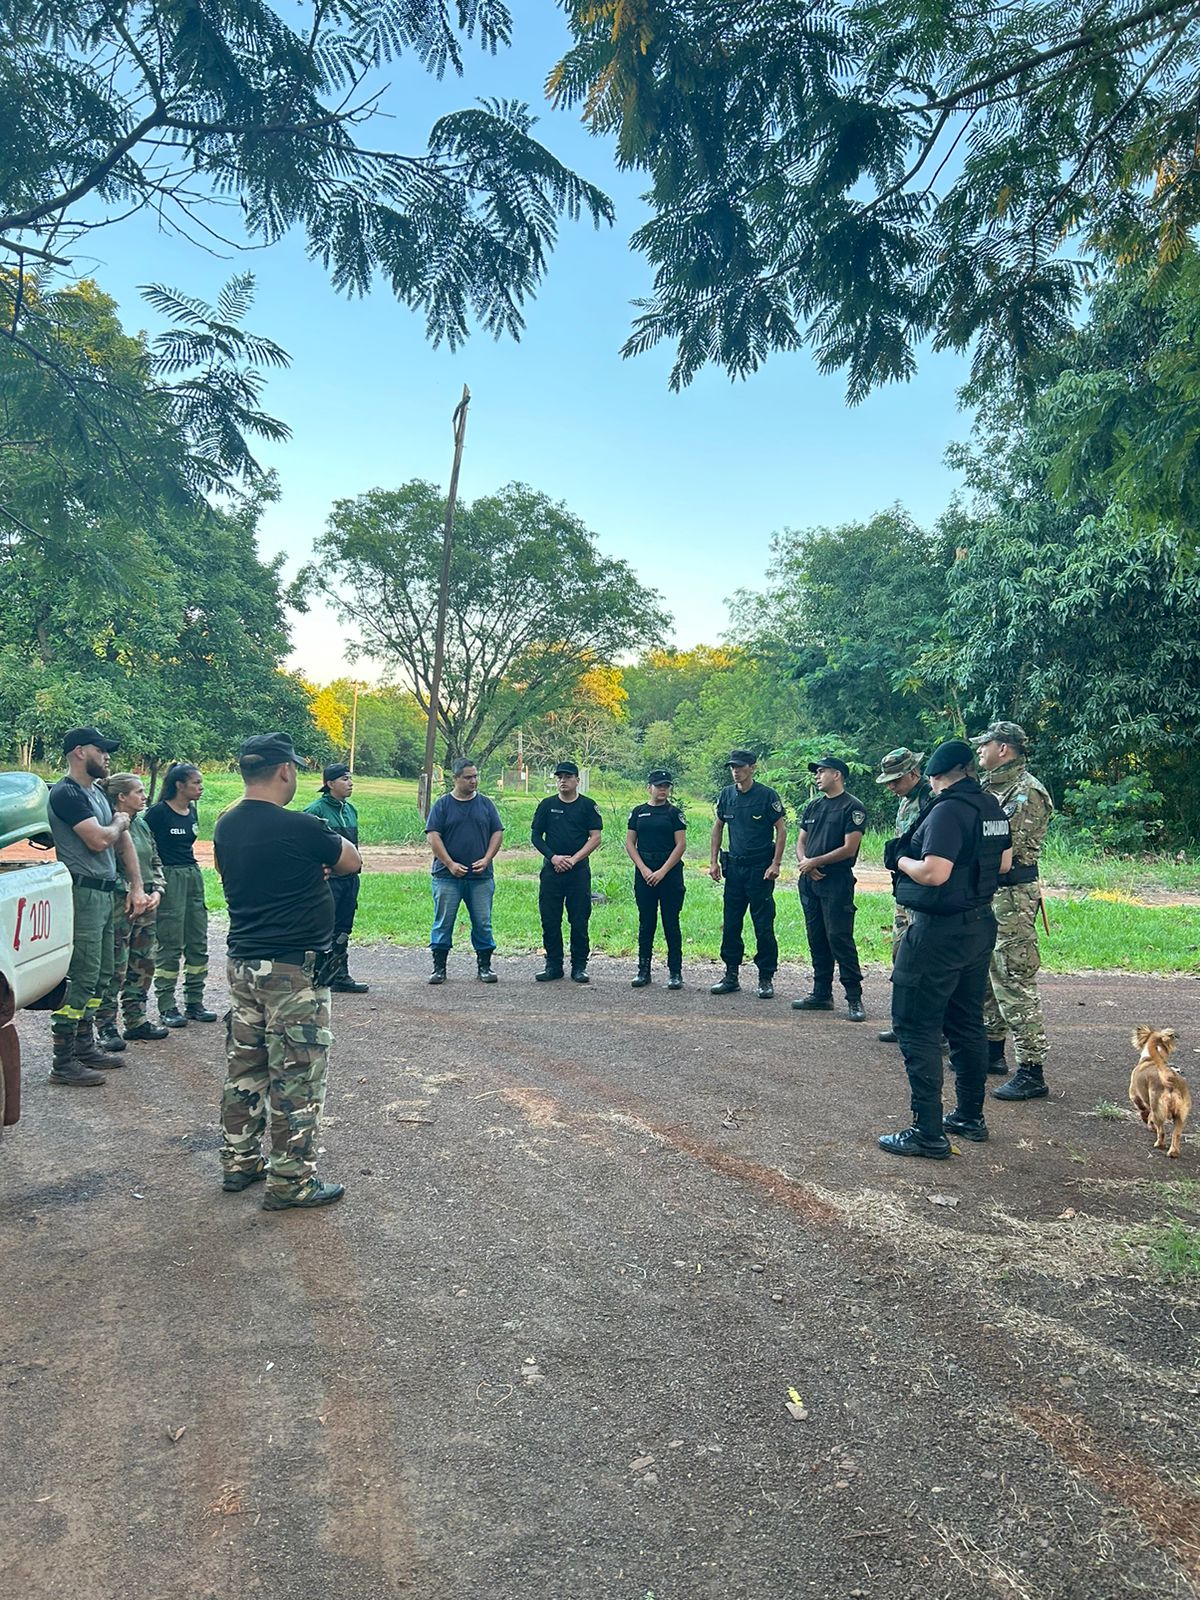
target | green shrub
[{"x": 1124, "y": 818}]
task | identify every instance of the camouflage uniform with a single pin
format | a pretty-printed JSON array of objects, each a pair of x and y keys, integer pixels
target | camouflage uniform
[
  {"x": 277, "y": 1048},
  {"x": 895, "y": 765},
  {"x": 1013, "y": 1002},
  {"x": 133, "y": 940}
]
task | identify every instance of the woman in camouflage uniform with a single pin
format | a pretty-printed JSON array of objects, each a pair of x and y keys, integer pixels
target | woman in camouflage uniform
[{"x": 133, "y": 937}]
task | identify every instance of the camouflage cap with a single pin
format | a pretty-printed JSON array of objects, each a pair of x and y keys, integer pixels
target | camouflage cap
[
  {"x": 898, "y": 763},
  {"x": 1004, "y": 733}
]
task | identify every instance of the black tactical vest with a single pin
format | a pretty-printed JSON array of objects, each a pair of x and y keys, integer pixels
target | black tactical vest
[{"x": 975, "y": 876}]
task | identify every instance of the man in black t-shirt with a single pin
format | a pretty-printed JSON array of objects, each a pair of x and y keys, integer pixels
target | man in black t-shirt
[
  {"x": 757, "y": 826},
  {"x": 831, "y": 831},
  {"x": 946, "y": 869},
  {"x": 566, "y": 830},
  {"x": 274, "y": 866}
]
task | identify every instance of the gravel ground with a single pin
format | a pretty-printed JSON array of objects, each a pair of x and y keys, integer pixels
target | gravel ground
[{"x": 592, "y": 1242}]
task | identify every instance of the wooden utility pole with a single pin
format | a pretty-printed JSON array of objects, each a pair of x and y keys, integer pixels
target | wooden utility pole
[
  {"x": 425, "y": 790},
  {"x": 354, "y": 725}
]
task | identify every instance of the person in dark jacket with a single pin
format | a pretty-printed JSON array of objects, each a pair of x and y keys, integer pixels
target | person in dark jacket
[
  {"x": 335, "y": 810},
  {"x": 946, "y": 869}
]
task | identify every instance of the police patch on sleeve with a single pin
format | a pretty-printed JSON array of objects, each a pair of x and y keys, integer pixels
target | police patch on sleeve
[
  {"x": 858, "y": 819},
  {"x": 777, "y": 805}
]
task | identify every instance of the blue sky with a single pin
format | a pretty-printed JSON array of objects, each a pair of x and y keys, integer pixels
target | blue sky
[{"x": 688, "y": 488}]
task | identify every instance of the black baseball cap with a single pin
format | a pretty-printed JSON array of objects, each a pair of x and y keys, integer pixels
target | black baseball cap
[
  {"x": 78, "y": 736},
  {"x": 268, "y": 749},
  {"x": 332, "y": 773},
  {"x": 742, "y": 758},
  {"x": 835, "y": 762},
  {"x": 953, "y": 753},
  {"x": 659, "y": 775},
  {"x": 566, "y": 768}
]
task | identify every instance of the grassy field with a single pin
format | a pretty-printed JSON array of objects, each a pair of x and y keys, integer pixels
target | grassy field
[
  {"x": 388, "y": 815},
  {"x": 1084, "y": 934}
]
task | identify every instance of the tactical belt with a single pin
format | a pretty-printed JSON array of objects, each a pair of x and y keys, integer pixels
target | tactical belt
[
  {"x": 104, "y": 885},
  {"x": 977, "y": 914},
  {"x": 285, "y": 958}
]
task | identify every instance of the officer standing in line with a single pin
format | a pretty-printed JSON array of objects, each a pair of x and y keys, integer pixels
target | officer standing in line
[
  {"x": 182, "y": 924},
  {"x": 1013, "y": 1000},
  {"x": 333, "y": 807},
  {"x": 133, "y": 937},
  {"x": 945, "y": 870},
  {"x": 901, "y": 771},
  {"x": 88, "y": 840},
  {"x": 827, "y": 846},
  {"x": 566, "y": 830},
  {"x": 274, "y": 865},
  {"x": 757, "y": 826},
  {"x": 655, "y": 840}
]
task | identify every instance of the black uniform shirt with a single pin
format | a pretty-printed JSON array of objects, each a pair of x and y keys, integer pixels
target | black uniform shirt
[
  {"x": 827, "y": 820},
  {"x": 750, "y": 817},
  {"x": 656, "y": 827},
  {"x": 562, "y": 830},
  {"x": 272, "y": 864},
  {"x": 174, "y": 835},
  {"x": 956, "y": 833}
]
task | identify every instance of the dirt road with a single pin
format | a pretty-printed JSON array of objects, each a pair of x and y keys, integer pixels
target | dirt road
[{"x": 593, "y": 1239}]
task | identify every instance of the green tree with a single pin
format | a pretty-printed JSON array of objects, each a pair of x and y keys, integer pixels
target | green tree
[
  {"x": 849, "y": 616},
  {"x": 533, "y": 604},
  {"x": 109, "y": 106},
  {"x": 863, "y": 175}
]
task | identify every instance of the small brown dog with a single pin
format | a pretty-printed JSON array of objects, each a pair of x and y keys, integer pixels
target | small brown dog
[{"x": 1158, "y": 1092}]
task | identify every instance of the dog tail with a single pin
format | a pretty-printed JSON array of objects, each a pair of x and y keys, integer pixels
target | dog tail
[{"x": 1139, "y": 1035}]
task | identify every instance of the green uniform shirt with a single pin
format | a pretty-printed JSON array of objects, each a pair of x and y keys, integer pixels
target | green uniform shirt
[{"x": 340, "y": 816}]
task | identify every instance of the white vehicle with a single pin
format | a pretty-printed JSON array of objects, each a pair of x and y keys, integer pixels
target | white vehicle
[{"x": 37, "y": 924}]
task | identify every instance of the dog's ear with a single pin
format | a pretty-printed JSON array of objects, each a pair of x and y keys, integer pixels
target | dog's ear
[
  {"x": 1166, "y": 1037},
  {"x": 1139, "y": 1035}
]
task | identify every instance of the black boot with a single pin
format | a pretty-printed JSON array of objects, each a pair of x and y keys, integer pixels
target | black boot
[
  {"x": 67, "y": 1071},
  {"x": 643, "y": 976},
  {"x": 579, "y": 972},
  {"x": 108, "y": 1036},
  {"x": 483, "y": 965},
  {"x": 145, "y": 1030},
  {"x": 854, "y": 1008},
  {"x": 550, "y": 973},
  {"x": 195, "y": 1011},
  {"x": 342, "y": 982},
  {"x": 729, "y": 983},
  {"x": 887, "y": 1036},
  {"x": 86, "y": 1053},
  {"x": 438, "y": 975},
  {"x": 674, "y": 978},
  {"x": 766, "y": 986},
  {"x": 973, "y": 1128},
  {"x": 814, "y": 1002},
  {"x": 172, "y": 1017},
  {"x": 997, "y": 1066},
  {"x": 912, "y": 1142},
  {"x": 1026, "y": 1083}
]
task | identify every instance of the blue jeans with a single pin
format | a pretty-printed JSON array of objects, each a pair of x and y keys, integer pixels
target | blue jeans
[{"x": 449, "y": 893}]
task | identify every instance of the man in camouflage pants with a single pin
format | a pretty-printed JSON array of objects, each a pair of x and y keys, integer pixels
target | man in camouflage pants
[
  {"x": 274, "y": 866},
  {"x": 1013, "y": 1003},
  {"x": 901, "y": 771}
]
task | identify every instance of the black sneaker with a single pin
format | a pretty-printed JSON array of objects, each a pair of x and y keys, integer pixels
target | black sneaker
[
  {"x": 173, "y": 1018},
  {"x": 854, "y": 1009},
  {"x": 198, "y": 1013},
  {"x": 766, "y": 989},
  {"x": 234, "y": 1182},
  {"x": 814, "y": 1002},
  {"x": 912, "y": 1142},
  {"x": 316, "y": 1194},
  {"x": 973, "y": 1128},
  {"x": 1026, "y": 1083},
  {"x": 146, "y": 1030}
]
